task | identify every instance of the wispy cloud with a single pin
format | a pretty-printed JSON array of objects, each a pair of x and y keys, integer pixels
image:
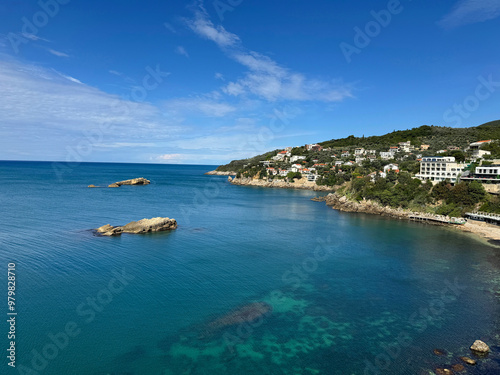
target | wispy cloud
[
  {"x": 57, "y": 53},
  {"x": 265, "y": 78},
  {"x": 470, "y": 11},
  {"x": 202, "y": 26},
  {"x": 181, "y": 51},
  {"x": 37, "y": 102},
  {"x": 201, "y": 105}
]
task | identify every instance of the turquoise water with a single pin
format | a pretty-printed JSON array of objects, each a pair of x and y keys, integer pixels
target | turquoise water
[{"x": 348, "y": 294}]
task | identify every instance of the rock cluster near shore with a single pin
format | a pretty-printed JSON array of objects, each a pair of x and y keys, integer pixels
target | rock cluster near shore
[
  {"x": 219, "y": 173},
  {"x": 156, "y": 224},
  {"x": 341, "y": 203},
  {"x": 133, "y": 181},
  {"x": 298, "y": 184}
]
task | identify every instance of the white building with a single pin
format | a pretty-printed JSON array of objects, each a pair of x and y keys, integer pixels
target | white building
[
  {"x": 477, "y": 153},
  {"x": 359, "y": 159},
  {"x": 312, "y": 177},
  {"x": 440, "y": 168},
  {"x": 485, "y": 174},
  {"x": 296, "y": 168},
  {"x": 359, "y": 151},
  {"x": 387, "y": 155},
  {"x": 391, "y": 167},
  {"x": 295, "y": 158}
]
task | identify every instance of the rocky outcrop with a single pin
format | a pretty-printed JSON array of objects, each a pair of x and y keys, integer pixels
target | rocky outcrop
[
  {"x": 342, "y": 203},
  {"x": 134, "y": 181},
  {"x": 480, "y": 347},
  {"x": 219, "y": 173},
  {"x": 156, "y": 224},
  {"x": 278, "y": 183}
]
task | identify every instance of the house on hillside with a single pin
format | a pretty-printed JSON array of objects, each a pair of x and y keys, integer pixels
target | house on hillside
[
  {"x": 313, "y": 147},
  {"x": 359, "y": 151},
  {"x": 391, "y": 167},
  {"x": 386, "y": 155},
  {"x": 440, "y": 168}
]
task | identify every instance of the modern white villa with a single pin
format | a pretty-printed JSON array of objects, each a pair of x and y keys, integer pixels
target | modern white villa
[{"x": 440, "y": 168}]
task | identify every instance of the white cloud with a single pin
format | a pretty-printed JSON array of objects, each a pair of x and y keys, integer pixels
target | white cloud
[
  {"x": 219, "y": 76},
  {"x": 169, "y": 157},
  {"x": 169, "y": 27},
  {"x": 205, "y": 106},
  {"x": 202, "y": 26},
  {"x": 37, "y": 103},
  {"x": 471, "y": 11},
  {"x": 57, "y": 53},
  {"x": 181, "y": 51},
  {"x": 34, "y": 37},
  {"x": 265, "y": 78}
]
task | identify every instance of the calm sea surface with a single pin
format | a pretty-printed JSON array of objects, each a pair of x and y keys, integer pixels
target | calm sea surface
[{"x": 253, "y": 281}]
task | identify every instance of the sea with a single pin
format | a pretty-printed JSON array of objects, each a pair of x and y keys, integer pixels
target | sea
[{"x": 253, "y": 281}]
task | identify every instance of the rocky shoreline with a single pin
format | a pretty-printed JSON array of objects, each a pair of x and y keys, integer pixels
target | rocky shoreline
[
  {"x": 489, "y": 232},
  {"x": 297, "y": 184},
  {"x": 218, "y": 173}
]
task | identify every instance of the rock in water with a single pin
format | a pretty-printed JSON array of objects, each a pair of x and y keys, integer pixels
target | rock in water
[
  {"x": 480, "y": 347},
  {"x": 91, "y": 186},
  {"x": 134, "y": 181},
  {"x": 156, "y": 224},
  {"x": 468, "y": 360}
]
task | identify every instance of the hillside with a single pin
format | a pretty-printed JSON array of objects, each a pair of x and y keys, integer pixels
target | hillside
[{"x": 437, "y": 137}]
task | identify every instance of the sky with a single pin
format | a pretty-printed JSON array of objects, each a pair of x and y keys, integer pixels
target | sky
[{"x": 206, "y": 82}]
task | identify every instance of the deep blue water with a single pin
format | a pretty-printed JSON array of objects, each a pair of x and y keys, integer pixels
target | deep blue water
[{"x": 350, "y": 294}]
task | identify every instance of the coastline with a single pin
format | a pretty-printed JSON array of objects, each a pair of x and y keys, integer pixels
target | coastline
[
  {"x": 218, "y": 173},
  {"x": 488, "y": 232},
  {"x": 298, "y": 184},
  {"x": 481, "y": 231}
]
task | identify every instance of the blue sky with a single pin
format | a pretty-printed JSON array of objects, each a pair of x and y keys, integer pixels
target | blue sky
[{"x": 208, "y": 82}]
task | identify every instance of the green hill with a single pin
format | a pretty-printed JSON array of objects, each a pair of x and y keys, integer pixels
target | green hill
[{"x": 438, "y": 137}]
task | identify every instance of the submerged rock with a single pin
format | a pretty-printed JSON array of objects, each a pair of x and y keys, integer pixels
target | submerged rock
[
  {"x": 458, "y": 367},
  {"x": 468, "y": 360},
  {"x": 156, "y": 224},
  {"x": 480, "y": 347},
  {"x": 439, "y": 352},
  {"x": 443, "y": 371},
  {"x": 245, "y": 314}
]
